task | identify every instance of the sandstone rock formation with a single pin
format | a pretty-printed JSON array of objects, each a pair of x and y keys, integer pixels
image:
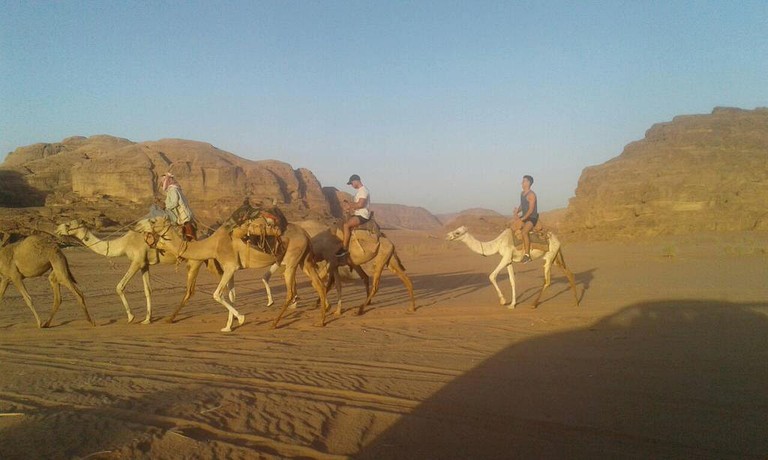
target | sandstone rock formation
[
  {"x": 121, "y": 177},
  {"x": 401, "y": 216},
  {"x": 695, "y": 173}
]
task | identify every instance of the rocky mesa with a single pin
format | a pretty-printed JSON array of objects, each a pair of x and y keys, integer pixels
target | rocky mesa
[{"x": 696, "y": 173}]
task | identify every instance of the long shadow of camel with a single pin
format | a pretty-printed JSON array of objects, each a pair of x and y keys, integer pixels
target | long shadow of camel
[{"x": 669, "y": 379}]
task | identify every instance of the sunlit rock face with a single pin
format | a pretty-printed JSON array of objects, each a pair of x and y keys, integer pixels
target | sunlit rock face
[
  {"x": 123, "y": 176},
  {"x": 695, "y": 173}
]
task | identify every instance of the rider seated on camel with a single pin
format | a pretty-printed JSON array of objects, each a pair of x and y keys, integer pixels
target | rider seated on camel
[
  {"x": 359, "y": 210},
  {"x": 177, "y": 207},
  {"x": 529, "y": 214}
]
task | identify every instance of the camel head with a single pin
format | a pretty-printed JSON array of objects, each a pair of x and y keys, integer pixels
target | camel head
[
  {"x": 457, "y": 234},
  {"x": 75, "y": 227},
  {"x": 159, "y": 224}
]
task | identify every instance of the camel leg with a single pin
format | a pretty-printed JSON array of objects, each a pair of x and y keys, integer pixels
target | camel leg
[
  {"x": 56, "y": 289},
  {"x": 310, "y": 269},
  {"x": 511, "y": 273},
  {"x": 265, "y": 279},
  {"x": 290, "y": 286},
  {"x": 193, "y": 268},
  {"x": 377, "y": 271},
  {"x": 147, "y": 294},
  {"x": 396, "y": 269},
  {"x": 69, "y": 283},
  {"x": 135, "y": 267},
  {"x": 217, "y": 296},
  {"x": 505, "y": 261},
  {"x": 560, "y": 261},
  {"x": 3, "y": 286},
  {"x": 27, "y": 298},
  {"x": 366, "y": 281},
  {"x": 547, "y": 276},
  {"x": 333, "y": 279}
]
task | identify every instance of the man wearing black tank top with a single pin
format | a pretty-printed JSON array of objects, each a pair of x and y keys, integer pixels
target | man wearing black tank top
[{"x": 529, "y": 214}]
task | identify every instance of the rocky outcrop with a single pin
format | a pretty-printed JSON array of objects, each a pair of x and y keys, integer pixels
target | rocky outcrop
[
  {"x": 106, "y": 169},
  {"x": 695, "y": 173},
  {"x": 401, "y": 216}
]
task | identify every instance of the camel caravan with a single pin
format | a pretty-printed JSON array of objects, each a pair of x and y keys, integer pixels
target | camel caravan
[{"x": 252, "y": 237}]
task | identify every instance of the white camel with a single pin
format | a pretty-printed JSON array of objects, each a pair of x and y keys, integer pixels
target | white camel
[
  {"x": 134, "y": 246},
  {"x": 505, "y": 246}
]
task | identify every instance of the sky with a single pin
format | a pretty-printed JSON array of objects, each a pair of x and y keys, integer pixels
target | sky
[{"x": 439, "y": 104}]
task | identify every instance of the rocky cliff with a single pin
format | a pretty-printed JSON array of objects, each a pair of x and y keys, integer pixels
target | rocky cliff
[
  {"x": 114, "y": 172},
  {"x": 695, "y": 173},
  {"x": 114, "y": 180}
]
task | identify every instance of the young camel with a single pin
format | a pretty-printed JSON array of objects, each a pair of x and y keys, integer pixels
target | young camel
[
  {"x": 504, "y": 245},
  {"x": 134, "y": 246},
  {"x": 232, "y": 252},
  {"x": 33, "y": 257},
  {"x": 325, "y": 244}
]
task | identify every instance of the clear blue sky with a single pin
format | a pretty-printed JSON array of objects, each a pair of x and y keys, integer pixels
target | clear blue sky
[{"x": 439, "y": 104}]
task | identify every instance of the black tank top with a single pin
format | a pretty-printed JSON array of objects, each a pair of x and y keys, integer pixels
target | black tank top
[{"x": 524, "y": 206}]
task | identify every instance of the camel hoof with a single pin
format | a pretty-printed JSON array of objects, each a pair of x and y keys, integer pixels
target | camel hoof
[
  {"x": 511, "y": 306},
  {"x": 240, "y": 319},
  {"x": 130, "y": 318},
  {"x": 147, "y": 321},
  {"x": 270, "y": 303},
  {"x": 318, "y": 324},
  {"x": 337, "y": 313},
  {"x": 45, "y": 325},
  {"x": 226, "y": 329},
  {"x": 535, "y": 306},
  {"x": 411, "y": 310},
  {"x": 293, "y": 305},
  {"x": 169, "y": 320}
]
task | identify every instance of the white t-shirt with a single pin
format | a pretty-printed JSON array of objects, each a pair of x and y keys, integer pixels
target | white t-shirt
[{"x": 362, "y": 192}]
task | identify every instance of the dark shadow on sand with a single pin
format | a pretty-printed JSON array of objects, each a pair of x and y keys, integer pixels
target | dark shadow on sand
[{"x": 669, "y": 379}]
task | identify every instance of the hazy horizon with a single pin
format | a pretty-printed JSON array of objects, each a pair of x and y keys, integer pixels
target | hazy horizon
[{"x": 441, "y": 105}]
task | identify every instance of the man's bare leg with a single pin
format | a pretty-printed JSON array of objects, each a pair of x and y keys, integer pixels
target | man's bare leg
[
  {"x": 349, "y": 225},
  {"x": 527, "y": 227}
]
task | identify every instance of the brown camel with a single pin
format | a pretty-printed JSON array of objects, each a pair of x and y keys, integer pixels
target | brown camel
[
  {"x": 363, "y": 248},
  {"x": 32, "y": 257},
  {"x": 232, "y": 251},
  {"x": 134, "y": 246}
]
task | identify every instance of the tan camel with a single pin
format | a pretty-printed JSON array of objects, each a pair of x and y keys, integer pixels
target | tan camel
[
  {"x": 231, "y": 250},
  {"x": 363, "y": 248},
  {"x": 504, "y": 245},
  {"x": 32, "y": 257},
  {"x": 134, "y": 246}
]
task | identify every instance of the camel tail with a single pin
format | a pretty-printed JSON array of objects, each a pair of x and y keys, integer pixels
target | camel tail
[
  {"x": 397, "y": 261},
  {"x": 559, "y": 259},
  {"x": 65, "y": 264}
]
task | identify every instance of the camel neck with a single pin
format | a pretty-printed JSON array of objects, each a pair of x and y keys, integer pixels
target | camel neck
[
  {"x": 109, "y": 248},
  {"x": 484, "y": 247}
]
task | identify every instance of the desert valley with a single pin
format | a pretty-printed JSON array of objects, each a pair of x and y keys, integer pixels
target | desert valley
[{"x": 663, "y": 357}]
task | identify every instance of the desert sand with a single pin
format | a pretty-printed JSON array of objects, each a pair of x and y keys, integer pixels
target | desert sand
[{"x": 667, "y": 357}]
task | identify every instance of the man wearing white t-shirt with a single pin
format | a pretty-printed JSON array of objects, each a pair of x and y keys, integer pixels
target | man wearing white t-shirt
[{"x": 359, "y": 210}]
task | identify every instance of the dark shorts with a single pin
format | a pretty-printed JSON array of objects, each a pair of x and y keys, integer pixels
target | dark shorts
[
  {"x": 361, "y": 219},
  {"x": 533, "y": 220}
]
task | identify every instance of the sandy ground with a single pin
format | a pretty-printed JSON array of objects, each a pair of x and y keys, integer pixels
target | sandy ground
[{"x": 667, "y": 357}]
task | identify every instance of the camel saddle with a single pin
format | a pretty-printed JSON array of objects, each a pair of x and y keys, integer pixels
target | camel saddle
[
  {"x": 371, "y": 227},
  {"x": 539, "y": 239}
]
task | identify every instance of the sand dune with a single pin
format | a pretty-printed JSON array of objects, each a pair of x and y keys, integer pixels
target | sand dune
[{"x": 666, "y": 358}]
